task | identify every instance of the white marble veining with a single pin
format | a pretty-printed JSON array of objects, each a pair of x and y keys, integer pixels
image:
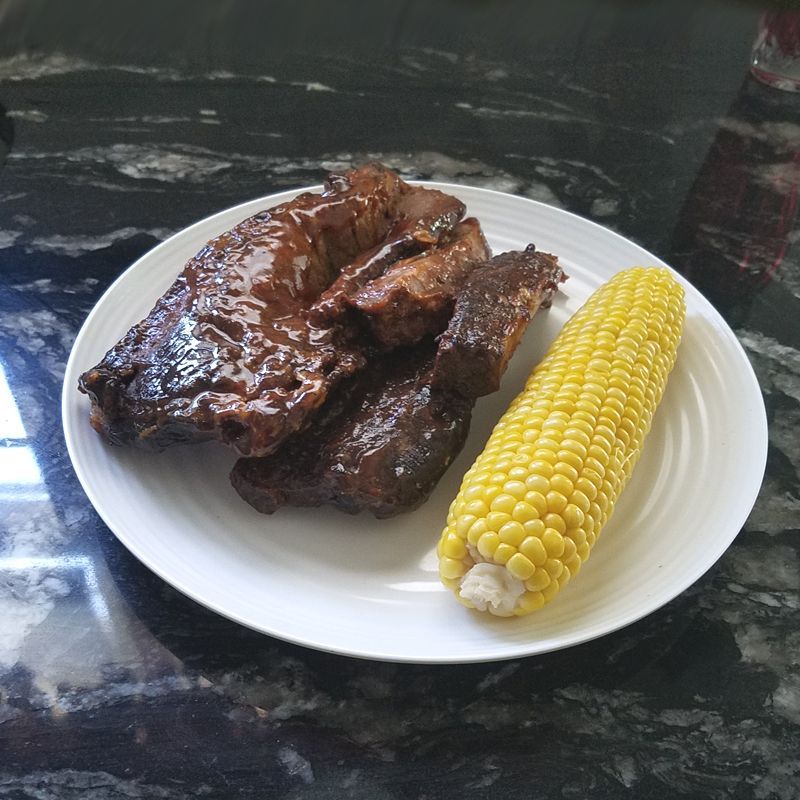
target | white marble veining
[
  {"x": 28, "y": 115},
  {"x": 33, "y": 67},
  {"x": 78, "y": 245},
  {"x": 295, "y": 764}
]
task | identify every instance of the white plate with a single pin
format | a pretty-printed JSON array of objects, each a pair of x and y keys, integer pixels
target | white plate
[{"x": 369, "y": 588}]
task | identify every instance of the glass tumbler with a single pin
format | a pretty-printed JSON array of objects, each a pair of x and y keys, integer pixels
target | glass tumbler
[{"x": 775, "y": 59}]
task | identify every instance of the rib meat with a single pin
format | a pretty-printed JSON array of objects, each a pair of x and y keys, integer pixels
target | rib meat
[
  {"x": 381, "y": 444},
  {"x": 491, "y": 314},
  {"x": 387, "y": 435},
  {"x": 228, "y": 352},
  {"x": 424, "y": 216},
  {"x": 414, "y": 297}
]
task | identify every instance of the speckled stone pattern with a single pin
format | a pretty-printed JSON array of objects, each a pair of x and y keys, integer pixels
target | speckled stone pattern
[{"x": 117, "y": 131}]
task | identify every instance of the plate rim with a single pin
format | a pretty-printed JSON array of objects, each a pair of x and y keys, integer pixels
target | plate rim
[{"x": 494, "y": 652}]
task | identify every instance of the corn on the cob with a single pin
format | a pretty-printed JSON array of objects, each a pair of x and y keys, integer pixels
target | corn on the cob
[{"x": 534, "y": 502}]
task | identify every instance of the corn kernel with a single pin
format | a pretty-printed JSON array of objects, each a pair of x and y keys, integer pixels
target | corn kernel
[
  {"x": 556, "y": 522},
  {"x": 560, "y": 483},
  {"x": 580, "y": 500},
  {"x": 454, "y": 547},
  {"x": 538, "y": 501},
  {"x": 504, "y": 503},
  {"x": 515, "y": 489},
  {"x": 599, "y": 452},
  {"x": 533, "y": 548},
  {"x": 573, "y": 434},
  {"x": 490, "y": 492},
  {"x": 488, "y": 543},
  {"x": 463, "y": 524},
  {"x": 451, "y": 568},
  {"x": 556, "y": 502},
  {"x": 554, "y": 566},
  {"x": 585, "y": 486},
  {"x": 563, "y": 578},
  {"x": 538, "y": 580},
  {"x": 573, "y": 516},
  {"x": 534, "y": 527},
  {"x": 476, "y": 508},
  {"x": 573, "y": 565},
  {"x": 578, "y": 536},
  {"x": 520, "y": 567},
  {"x": 503, "y": 553},
  {"x": 575, "y": 447},
  {"x": 529, "y": 602},
  {"x": 550, "y": 591},
  {"x": 570, "y": 458},
  {"x": 537, "y": 483},
  {"x": 595, "y": 466},
  {"x": 553, "y": 543},
  {"x": 512, "y": 533},
  {"x": 541, "y": 467},
  {"x": 477, "y": 529},
  {"x": 522, "y": 512},
  {"x": 496, "y": 519},
  {"x": 546, "y": 455},
  {"x": 474, "y": 492}
]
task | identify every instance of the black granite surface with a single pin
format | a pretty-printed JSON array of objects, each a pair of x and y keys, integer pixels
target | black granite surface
[{"x": 120, "y": 126}]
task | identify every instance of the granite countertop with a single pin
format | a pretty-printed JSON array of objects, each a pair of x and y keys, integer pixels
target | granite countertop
[{"x": 118, "y": 129}]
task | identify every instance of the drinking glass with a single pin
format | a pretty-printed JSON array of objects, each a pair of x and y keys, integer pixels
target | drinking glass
[{"x": 775, "y": 59}]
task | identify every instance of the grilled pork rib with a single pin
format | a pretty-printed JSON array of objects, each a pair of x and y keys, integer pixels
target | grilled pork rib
[
  {"x": 414, "y": 297},
  {"x": 381, "y": 444},
  {"x": 228, "y": 352},
  {"x": 387, "y": 435},
  {"x": 423, "y": 218},
  {"x": 491, "y": 313}
]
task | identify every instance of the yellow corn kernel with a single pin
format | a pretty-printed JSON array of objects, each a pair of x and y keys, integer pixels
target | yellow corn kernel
[
  {"x": 520, "y": 567},
  {"x": 503, "y": 553},
  {"x": 534, "y": 550},
  {"x": 553, "y": 543},
  {"x": 451, "y": 568},
  {"x": 496, "y": 519},
  {"x": 534, "y": 527},
  {"x": 504, "y": 503},
  {"x": 536, "y": 499},
  {"x": 511, "y": 533},
  {"x": 530, "y": 601},
  {"x": 560, "y": 483},
  {"x": 523, "y": 512},
  {"x": 556, "y": 502},
  {"x": 488, "y": 543},
  {"x": 556, "y": 522},
  {"x": 573, "y": 516},
  {"x": 538, "y": 581},
  {"x": 476, "y": 530},
  {"x": 554, "y": 567},
  {"x": 463, "y": 524},
  {"x": 453, "y": 546}
]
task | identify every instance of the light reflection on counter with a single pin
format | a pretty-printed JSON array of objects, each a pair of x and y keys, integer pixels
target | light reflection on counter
[
  {"x": 11, "y": 426},
  {"x": 82, "y": 565},
  {"x": 20, "y": 477}
]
